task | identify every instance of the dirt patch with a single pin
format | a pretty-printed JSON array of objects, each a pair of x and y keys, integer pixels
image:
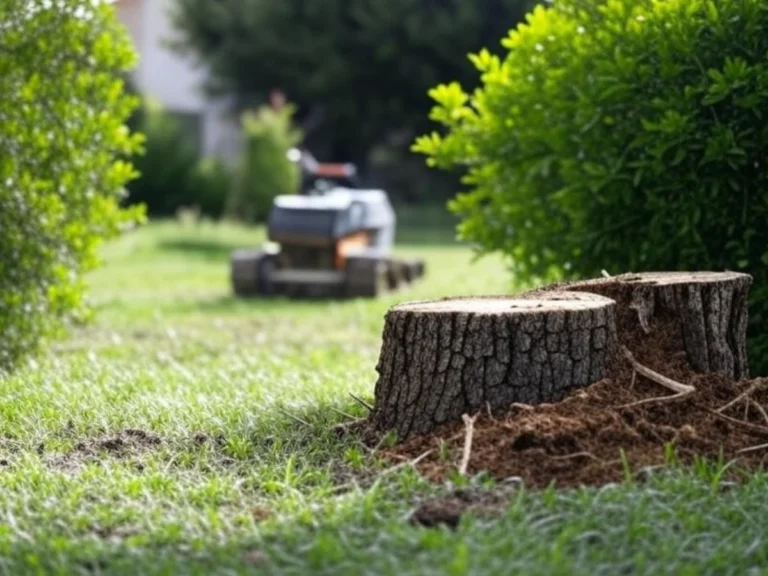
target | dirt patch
[
  {"x": 580, "y": 441},
  {"x": 126, "y": 442},
  {"x": 130, "y": 443},
  {"x": 448, "y": 511},
  {"x": 592, "y": 436}
]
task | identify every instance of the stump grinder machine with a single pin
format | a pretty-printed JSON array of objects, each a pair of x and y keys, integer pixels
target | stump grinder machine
[{"x": 333, "y": 239}]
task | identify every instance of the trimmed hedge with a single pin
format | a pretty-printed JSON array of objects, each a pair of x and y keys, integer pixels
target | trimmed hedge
[{"x": 624, "y": 135}]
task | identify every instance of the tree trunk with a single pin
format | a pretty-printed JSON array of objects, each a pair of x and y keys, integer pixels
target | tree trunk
[
  {"x": 445, "y": 358},
  {"x": 707, "y": 309}
]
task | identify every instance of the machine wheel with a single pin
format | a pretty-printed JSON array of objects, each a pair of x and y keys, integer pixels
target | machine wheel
[
  {"x": 397, "y": 274},
  {"x": 266, "y": 266},
  {"x": 413, "y": 270},
  {"x": 366, "y": 277},
  {"x": 251, "y": 272}
]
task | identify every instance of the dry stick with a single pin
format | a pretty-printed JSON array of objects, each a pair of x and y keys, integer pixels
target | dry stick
[
  {"x": 760, "y": 409},
  {"x": 341, "y": 413},
  {"x": 362, "y": 402},
  {"x": 682, "y": 390},
  {"x": 748, "y": 392},
  {"x": 406, "y": 464},
  {"x": 748, "y": 425},
  {"x": 470, "y": 429},
  {"x": 576, "y": 455},
  {"x": 752, "y": 449},
  {"x": 291, "y": 416}
]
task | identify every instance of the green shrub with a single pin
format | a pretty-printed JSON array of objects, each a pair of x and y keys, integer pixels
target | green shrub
[
  {"x": 62, "y": 120},
  {"x": 619, "y": 135},
  {"x": 171, "y": 174},
  {"x": 265, "y": 170},
  {"x": 212, "y": 182}
]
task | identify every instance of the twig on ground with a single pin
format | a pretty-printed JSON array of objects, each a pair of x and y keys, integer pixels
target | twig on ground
[
  {"x": 681, "y": 390},
  {"x": 752, "y": 449},
  {"x": 756, "y": 405},
  {"x": 292, "y": 417},
  {"x": 362, "y": 402},
  {"x": 344, "y": 426},
  {"x": 406, "y": 464},
  {"x": 576, "y": 455},
  {"x": 469, "y": 431},
  {"x": 521, "y": 406},
  {"x": 606, "y": 274},
  {"x": 341, "y": 413},
  {"x": 762, "y": 430},
  {"x": 379, "y": 444},
  {"x": 634, "y": 379},
  {"x": 490, "y": 413},
  {"x": 746, "y": 394}
]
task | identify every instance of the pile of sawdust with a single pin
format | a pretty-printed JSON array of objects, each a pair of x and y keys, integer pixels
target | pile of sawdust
[{"x": 590, "y": 437}]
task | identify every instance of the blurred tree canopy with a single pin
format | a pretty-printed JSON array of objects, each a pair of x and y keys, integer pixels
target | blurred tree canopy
[{"x": 358, "y": 70}]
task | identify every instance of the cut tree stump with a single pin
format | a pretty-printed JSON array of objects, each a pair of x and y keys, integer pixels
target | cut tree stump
[
  {"x": 710, "y": 309},
  {"x": 442, "y": 359}
]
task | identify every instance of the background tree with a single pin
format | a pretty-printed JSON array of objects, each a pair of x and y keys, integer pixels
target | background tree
[
  {"x": 63, "y": 144},
  {"x": 358, "y": 70}
]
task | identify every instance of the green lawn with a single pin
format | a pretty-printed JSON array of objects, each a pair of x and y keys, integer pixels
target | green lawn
[{"x": 187, "y": 432}]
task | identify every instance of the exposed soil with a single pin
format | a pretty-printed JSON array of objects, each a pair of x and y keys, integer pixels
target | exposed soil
[
  {"x": 448, "y": 511},
  {"x": 127, "y": 441},
  {"x": 580, "y": 440}
]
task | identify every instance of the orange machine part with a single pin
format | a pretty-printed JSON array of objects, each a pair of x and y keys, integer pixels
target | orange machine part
[
  {"x": 332, "y": 170},
  {"x": 345, "y": 245}
]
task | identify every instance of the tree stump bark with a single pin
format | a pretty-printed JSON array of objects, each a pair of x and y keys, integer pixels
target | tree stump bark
[
  {"x": 709, "y": 309},
  {"x": 442, "y": 359}
]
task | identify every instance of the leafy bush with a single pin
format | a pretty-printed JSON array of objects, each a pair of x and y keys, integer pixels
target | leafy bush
[
  {"x": 171, "y": 174},
  {"x": 62, "y": 116},
  {"x": 265, "y": 170},
  {"x": 619, "y": 135}
]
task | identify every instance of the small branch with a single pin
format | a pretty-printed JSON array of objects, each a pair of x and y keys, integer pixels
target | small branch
[
  {"x": 762, "y": 430},
  {"x": 340, "y": 413},
  {"x": 342, "y": 428},
  {"x": 413, "y": 462},
  {"x": 752, "y": 449},
  {"x": 362, "y": 402},
  {"x": 658, "y": 400},
  {"x": 748, "y": 392},
  {"x": 760, "y": 409},
  {"x": 681, "y": 390},
  {"x": 521, "y": 406},
  {"x": 576, "y": 455},
  {"x": 470, "y": 429},
  {"x": 296, "y": 418}
]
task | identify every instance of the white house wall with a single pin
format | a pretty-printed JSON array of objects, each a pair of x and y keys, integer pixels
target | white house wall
[{"x": 173, "y": 80}]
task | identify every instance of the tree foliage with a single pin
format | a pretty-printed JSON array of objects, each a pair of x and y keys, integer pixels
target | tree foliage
[
  {"x": 264, "y": 171},
  {"x": 358, "y": 70},
  {"x": 63, "y": 144},
  {"x": 172, "y": 175},
  {"x": 619, "y": 135}
]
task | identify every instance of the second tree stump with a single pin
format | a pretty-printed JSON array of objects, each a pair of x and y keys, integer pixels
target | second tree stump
[{"x": 441, "y": 359}]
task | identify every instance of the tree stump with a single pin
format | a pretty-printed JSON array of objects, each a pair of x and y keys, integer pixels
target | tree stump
[
  {"x": 709, "y": 310},
  {"x": 442, "y": 359}
]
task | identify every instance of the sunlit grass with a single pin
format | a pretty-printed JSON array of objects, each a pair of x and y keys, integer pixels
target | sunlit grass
[{"x": 189, "y": 432}]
